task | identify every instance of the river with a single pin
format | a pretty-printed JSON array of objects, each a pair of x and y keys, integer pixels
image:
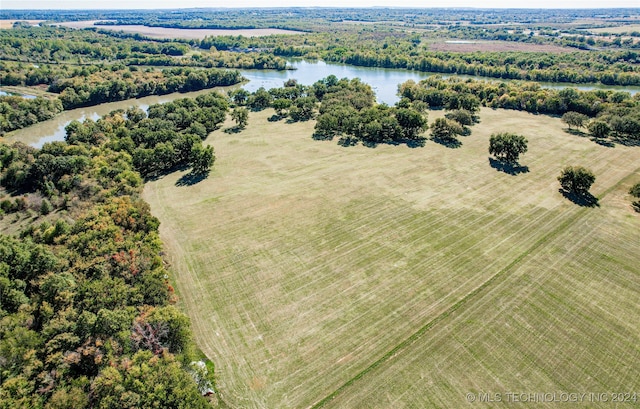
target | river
[{"x": 383, "y": 81}]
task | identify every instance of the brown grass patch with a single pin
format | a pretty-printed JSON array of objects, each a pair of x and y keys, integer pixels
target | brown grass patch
[
  {"x": 463, "y": 46},
  {"x": 6, "y": 24}
]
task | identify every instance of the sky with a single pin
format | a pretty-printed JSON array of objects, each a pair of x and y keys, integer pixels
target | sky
[{"x": 156, "y": 4}]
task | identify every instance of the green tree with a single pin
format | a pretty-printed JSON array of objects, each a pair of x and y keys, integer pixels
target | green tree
[
  {"x": 574, "y": 119},
  {"x": 239, "y": 96},
  {"x": 413, "y": 123},
  {"x": 446, "y": 131},
  {"x": 461, "y": 116},
  {"x": 241, "y": 117},
  {"x": 260, "y": 100},
  {"x": 576, "y": 179},
  {"x": 635, "y": 192},
  {"x": 599, "y": 129},
  {"x": 507, "y": 147},
  {"x": 280, "y": 105},
  {"x": 202, "y": 159}
]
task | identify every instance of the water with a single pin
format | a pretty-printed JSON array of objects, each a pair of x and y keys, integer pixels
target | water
[
  {"x": 53, "y": 129},
  {"x": 383, "y": 81},
  {"x": 13, "y": 94}
]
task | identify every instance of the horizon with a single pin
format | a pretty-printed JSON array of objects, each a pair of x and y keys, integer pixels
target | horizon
[{"x": 122, "y": 5}]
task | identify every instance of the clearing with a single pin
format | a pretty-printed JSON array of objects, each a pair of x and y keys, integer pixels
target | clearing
[
  {"x": 467, "y": 46},
  {"x": 398, "y": 277},
  {"x": 186, "y": 33}
]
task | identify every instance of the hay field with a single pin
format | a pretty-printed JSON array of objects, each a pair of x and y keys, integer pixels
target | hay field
[{"x": 396, "y": 277}]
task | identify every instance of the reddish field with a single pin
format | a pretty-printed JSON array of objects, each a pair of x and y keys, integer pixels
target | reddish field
[{"x": 470, "y": 46}]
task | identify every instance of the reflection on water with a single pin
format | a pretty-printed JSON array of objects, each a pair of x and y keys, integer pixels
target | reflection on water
[
  {"x": 14, "y": 94},
  {"x": 53, "y": 129},
  {"x": 383, "y": 81}
]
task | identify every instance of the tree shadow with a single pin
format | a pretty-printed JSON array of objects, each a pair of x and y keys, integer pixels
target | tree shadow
[
  {"x": 626, "y": 141},
  {"x": 584, "y": 199},
  {"x": 575, "y": 132},
  {"x": 276, "y": 118},
  {"x": 322, "y": 137},
  {"x": 636, "y": 206},
  {"x": 604, "y": 142},
  {"x": 451, "y": 143},
  {"x": 157, "y": 175},
  {"x": 507, "y": 167},
  {"x": 233, "y": 129},
  {"x": 190, "y": 179},
  {"x": 347, "y": 141},
  {"x": 416, "y": 143}
]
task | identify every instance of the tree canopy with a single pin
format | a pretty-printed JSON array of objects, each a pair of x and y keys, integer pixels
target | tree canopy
[{"x": 507, "y": 146}]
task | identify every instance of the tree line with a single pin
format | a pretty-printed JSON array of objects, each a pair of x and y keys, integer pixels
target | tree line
[
  {"x": 87, "y": 312},
  {"x": 618, "y": 111},
  {"x": 86, "y": 86}
]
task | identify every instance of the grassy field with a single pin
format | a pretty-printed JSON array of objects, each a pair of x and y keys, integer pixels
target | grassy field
[
  {"x": 493, "y": 46},
  {"x": 627, "y": 28},
  {"x": 395, "y": 277},
  {"x": 188, "y": 33}
]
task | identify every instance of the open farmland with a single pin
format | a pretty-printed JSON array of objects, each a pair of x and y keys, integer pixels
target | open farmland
[
  {"x": 186, "y": 33},
  {"x": 399, "y": 277},
  {"x": 494, "y": 46}
]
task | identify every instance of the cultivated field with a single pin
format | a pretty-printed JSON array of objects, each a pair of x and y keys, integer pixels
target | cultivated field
[
  {"x": 188, "y": 33},
  {"x": 406, "y": 278},
  {"x": 6, "y": 24},
  {"x": 466, "y": 46},
  {"x": 619, "y": 29}
]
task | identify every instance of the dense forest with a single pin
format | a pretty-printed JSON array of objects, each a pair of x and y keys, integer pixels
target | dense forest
[
  {"x": 81, "y": 68},
  {"x": 92, "y": 234}
]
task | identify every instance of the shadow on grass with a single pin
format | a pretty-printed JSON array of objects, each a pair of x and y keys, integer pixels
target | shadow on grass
[
  {"x": 584, "y": 199},
  {"x": 452, "y": 143},
  {"x": 626, "y": 141},
  {"x": 190, "y": 179},
  {"x": 506, "y": 167},
  {"x": 162, "y": 173},
  {"x": 322, "y": 137},
  {"x": 233, "y": 129},
  {"x": 604, "y": 142},
  {"x": 276, "y": 118},
  {"x": 575, "y": 132}
]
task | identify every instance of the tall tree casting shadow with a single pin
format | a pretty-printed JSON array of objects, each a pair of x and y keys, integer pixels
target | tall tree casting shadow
[{"x": 508, "y": 167}]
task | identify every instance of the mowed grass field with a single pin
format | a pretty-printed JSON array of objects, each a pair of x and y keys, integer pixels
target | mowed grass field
[{"x": 397, "y": 277}]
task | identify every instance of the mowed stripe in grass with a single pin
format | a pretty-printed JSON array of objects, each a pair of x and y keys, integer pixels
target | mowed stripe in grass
[
  {"x": 565, "y": 320},
  {"x": 301, "y": 262}
]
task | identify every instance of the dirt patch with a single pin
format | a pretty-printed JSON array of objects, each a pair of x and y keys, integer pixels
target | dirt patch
[
  {"x": 6, "y": 24},
  {"x": 463, "y": 46}
]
